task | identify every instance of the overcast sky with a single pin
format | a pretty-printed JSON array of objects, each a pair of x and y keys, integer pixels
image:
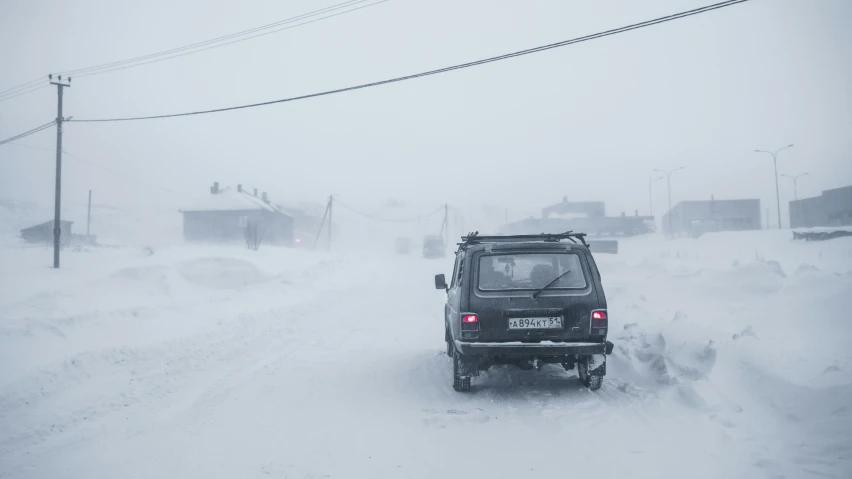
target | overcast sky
[{"x": 588, "y": 121}]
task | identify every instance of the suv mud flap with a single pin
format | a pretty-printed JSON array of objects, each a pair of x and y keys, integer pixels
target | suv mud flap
[
  {"x": 469, "y": 366},
  {"x": 597, "y": 365}
]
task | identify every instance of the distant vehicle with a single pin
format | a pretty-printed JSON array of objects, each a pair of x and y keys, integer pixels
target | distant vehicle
[
  {"x": 302, "y": 239},
  {"x": 608, "y": 246},
  {"x": 403, "y": 245},
  {"x": 525, "y": 300},
  {"x": 433, "y": 247}
]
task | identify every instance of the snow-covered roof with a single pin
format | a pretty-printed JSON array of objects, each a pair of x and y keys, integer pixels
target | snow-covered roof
[
  {"x": 229, "y": 199},
  {"x": 48, "y": 224},
  {"x": 302, "y": 208}
]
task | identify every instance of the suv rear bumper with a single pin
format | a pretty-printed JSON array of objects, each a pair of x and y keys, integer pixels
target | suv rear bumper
[{"x": 518, "y": 349}]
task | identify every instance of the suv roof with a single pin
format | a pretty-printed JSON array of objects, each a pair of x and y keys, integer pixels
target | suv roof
[{"x": 539, "y": 240}]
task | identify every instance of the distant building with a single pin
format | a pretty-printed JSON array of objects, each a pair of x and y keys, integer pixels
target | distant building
[
  {"x": 832, "y": 208},
  {"x": 226, "y": 213},
  {"x": 574, "y": 209},
  {"x": 43, "y": 233},
  {"x": 694, "y": 218},
  {"x": 586, "y": 216}
]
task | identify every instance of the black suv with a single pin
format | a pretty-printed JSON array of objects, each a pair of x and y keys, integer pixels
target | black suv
[{"x": 525, "y": 300}]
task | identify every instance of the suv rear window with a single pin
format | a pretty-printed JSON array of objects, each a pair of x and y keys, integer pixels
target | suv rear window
[{"x": 530, "y": 271}]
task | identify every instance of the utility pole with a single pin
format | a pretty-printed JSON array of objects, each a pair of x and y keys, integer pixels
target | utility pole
[
  {"x": 57, "y": 221},
  {"x": 445, "y": 226},
  {"x": 330, "y": 202},
  {"x": 669, "y": 182},
  {"x": 89, "y": 215},
  {"x": 322, "y": 223},
  {"x": 651, "y": 196},
  {"x": 795, "y": 179},
  {"x": 775, "y": 162}
]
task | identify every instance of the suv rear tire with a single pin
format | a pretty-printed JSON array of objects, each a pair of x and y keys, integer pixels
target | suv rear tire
[
  {"x": 460, "y": 383},
  {"x": 591, "y": 381}
]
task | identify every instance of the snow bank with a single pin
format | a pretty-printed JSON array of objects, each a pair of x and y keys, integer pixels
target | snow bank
[
  {"x": 823, "y": 229},
  {"x": 749, "y": 329},
  {"x": 106, "y": 297}
]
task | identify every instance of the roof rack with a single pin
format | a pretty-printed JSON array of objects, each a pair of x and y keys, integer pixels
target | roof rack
[{"x": 475, "y": 238}]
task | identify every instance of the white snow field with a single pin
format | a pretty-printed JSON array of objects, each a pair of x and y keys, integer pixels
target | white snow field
[{"x": 732, "y": 360}]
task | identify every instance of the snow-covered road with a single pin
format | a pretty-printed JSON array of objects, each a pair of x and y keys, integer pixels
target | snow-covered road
[{"x": 217, "y": 362}]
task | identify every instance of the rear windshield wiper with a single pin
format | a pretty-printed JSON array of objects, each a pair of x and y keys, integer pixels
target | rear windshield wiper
[{"x": 535, "y": 295}]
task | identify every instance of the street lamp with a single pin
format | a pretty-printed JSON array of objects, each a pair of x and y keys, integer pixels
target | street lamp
[
  {"x": 669, "y": 183},
  {"x": 650, "y": 196},
  {"x": 775, "y": 162},
  {"x": 795, "y": 178}
]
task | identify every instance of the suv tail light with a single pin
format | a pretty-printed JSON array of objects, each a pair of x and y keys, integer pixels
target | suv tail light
[
  {"x": 469, "y": 326},
  {"x": 600, "y": 322}
]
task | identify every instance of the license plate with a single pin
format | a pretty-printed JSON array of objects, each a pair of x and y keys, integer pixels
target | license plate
[{"x": 536, "y": 323}]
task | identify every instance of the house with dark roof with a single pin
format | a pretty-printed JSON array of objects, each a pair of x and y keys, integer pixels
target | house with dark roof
[
  {"x": 43, "y": 233},
  {"x": 225, "y": 214}
]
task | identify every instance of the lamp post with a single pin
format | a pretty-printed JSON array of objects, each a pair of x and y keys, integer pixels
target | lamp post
[
  {"x": 775, "y": 163},
  {"x": 669, "y": 185},
  {"x": 795, "y": 179},
  {"x": 650, "y": 196}
]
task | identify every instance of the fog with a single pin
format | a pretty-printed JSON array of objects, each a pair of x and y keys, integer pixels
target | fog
[
  {"x": 589, "y": 121},
  {"x": 206, "y": 332}
]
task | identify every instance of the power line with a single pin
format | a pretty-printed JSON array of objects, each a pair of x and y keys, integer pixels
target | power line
[
  {"x": 22, "y": 92},
  {"x": 133, "y": 62},
  {"x": 28, "y": 133},
  {"x": 528, "y": 51},
  {"x": 195, "y": 47},
  {"x": 387, "y": 220},
  {"x": 227, "y": 43},
  {"x": 33, "y": 147},
  {"x": 22, "y": 85}
]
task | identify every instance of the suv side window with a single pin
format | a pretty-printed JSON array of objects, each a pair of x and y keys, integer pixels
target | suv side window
[
  {"x": 455, "y": 271},
  {"x": 457, "y": 279},
  {"x": 458, "y": 271}
]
